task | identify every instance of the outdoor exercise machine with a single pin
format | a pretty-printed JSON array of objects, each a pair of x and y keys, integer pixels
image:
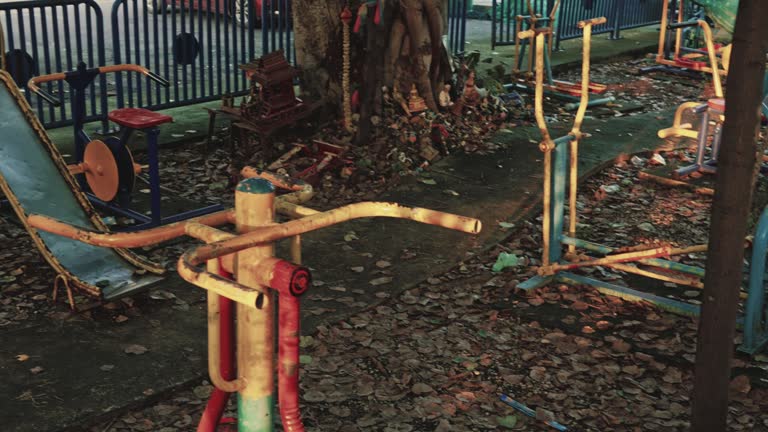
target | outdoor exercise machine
[
  {"x": 682, "y": 60},
  {"x": 260, "y": 280},
  {"x": 561, "y": 169},
  {"x": 555, "y": 88},
  {"x": 34, "y": 179},
  {"x": 711, "y": 111},
  {"x": 106, "y": 169}
]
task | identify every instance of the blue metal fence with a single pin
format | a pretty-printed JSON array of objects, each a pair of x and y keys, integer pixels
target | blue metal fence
[
  {"x": 44, "y": 37},
  {"x": 277, "y": 28},
  {"x": 457, "y": 25},
  {"x": 196, "y": 44},
  {"x": 621, "y": 15},
  {"x": 503, "y": 13}
]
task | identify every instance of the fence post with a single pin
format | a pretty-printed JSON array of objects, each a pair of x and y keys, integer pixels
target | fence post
[
  {"x": 463, "y": 27},
  {"x": 618, "y": 14},
  {"x": 558, "y": 22},
  {"x": 493, "y": 25}
]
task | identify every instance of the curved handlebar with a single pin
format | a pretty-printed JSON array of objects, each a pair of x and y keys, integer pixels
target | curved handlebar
[
  {"x": 188, "y": 263},
  {"x": 526, "y": 34},
  {"x": 673, "y": 26},
  {"x": 34, "y": 82},
  {"x": 332, "y": 217},
  {"x": 592, "y": 21}
]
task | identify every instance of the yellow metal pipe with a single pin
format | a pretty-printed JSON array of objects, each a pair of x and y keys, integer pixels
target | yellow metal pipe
[
  {"x": 670, "y": 182},
  {"x": 211, "y": 235},
  {"x": 547, "y": 204},
  {"x": 679, "y": 32},
  {"x": 678, "y": 132},
  {"x": 663, "y": 30},
  {"x": 695, "y": 283},
  {"x": 677, "y": 122},
  {"x": 546, "y": 144},
  {"x": 214, "y": 343},
  {"x": 266, "y": 234},
  {"x": 576, "y": 130},
  {"x": 625, "y": 257},
  {"x": 254, "y": 206},
  {"x": 712, "y": 58},
  {"x": 126, "y": 239}
]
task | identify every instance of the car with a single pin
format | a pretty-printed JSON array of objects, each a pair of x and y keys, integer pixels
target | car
[{"x": 233, "y": 8}]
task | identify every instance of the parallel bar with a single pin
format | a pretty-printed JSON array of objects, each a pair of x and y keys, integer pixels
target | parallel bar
[{"x": 630, "y": 294}]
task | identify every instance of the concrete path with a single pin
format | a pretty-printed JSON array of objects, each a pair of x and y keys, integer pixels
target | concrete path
[{"x": 89, "y": 376}]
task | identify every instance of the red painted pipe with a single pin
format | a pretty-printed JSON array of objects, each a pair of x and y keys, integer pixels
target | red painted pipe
[
  {"x": 217, "y": 403},
  {"x": 291, "y": 282}
]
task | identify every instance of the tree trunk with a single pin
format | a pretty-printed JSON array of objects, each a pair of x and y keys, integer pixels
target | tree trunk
[
  {"x": 373, "y": 75},
  {"x": 407, "y": 50},
  {"x": 730, "y": 209},
  {"x": 318, "y": 41}
]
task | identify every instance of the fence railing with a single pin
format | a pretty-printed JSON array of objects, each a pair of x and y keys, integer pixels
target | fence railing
[
  {"x": 621, "y": 15},
  {"x": 44, "y": 37},
  {"x": 457, "y": 25},
  {"x": 196, "y": 44}
]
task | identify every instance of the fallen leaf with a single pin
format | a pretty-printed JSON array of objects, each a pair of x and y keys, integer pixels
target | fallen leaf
[
  {"x": 22, "y": 357},
  {"x": 135, "y": 349},
  {"x": 381, "y": 281},
  {"x": 740, "y": 384},
  {"x": 421, "y": 388}
]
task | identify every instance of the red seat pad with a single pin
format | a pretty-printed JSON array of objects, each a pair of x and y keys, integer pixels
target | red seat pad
[{"x": 138, "y": 118}]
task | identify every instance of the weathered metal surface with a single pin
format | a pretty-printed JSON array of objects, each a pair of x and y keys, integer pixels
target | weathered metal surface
[{"x": 35, "y": 179}]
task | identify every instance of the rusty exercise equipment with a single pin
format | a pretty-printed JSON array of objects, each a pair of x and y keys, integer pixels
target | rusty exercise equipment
[
  {"x": 524, "y": 79},
  {"x": 106, "y": 169},
  {"x": 261, "y": 279},
  {"x": 561, "y": 170}
]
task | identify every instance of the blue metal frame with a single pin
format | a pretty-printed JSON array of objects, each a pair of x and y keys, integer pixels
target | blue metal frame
[
  {"x": 559, "y": 169},
  {"x": 457, "y": 25},
  {"x": 79, "y": 81},
  {"x": 755, "y": 325},
  {"x": 621, "y": 14},
  {"x": 57, "y": 35}
]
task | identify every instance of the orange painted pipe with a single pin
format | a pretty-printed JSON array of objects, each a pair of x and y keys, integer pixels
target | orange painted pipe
[{"x": 127, "y": 239}]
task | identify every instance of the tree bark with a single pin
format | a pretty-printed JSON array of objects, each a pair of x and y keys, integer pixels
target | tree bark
[
  {"x": 373, "y": 74},
  {"x": 317, "y": 37},
  {"x": 730, "y": 209}
]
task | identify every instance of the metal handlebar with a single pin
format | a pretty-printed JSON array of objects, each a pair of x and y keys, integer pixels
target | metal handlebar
[
  {"x": 188, "y": 264},
  {"x": 592, "y": 21},
  {"x": 34, "y": 82},
  {"x": 674, "y": 26}
]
